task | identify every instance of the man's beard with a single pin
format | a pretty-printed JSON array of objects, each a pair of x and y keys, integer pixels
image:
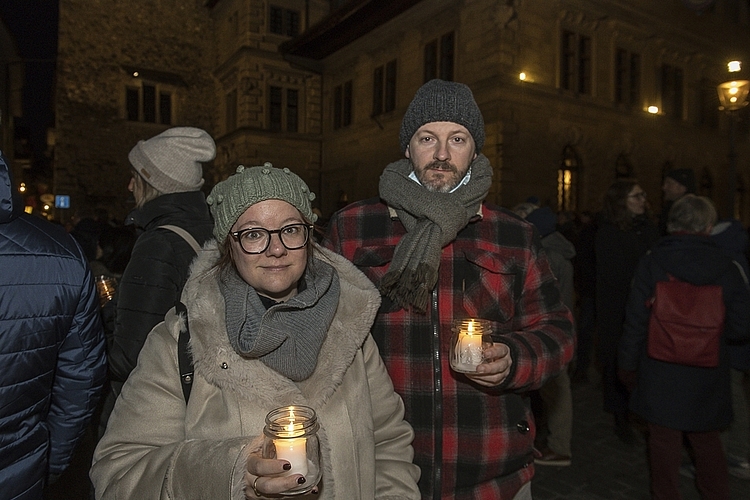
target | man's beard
[{"x": 441, "y": 185}]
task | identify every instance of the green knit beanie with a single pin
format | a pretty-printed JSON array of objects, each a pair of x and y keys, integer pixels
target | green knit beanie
[
  {"x": 442, "y": 101},
  {"x": 231, "y": 197}
]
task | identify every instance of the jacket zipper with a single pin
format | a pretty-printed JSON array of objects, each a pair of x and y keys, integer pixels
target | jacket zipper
[{"x": 437, "y": 401}]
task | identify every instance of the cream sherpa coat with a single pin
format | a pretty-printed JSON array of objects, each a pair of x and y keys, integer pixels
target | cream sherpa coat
[{"x": 156, "y": 447}]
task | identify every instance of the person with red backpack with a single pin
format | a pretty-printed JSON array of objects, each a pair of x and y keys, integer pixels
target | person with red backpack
[{"x": 679, "y": 375}]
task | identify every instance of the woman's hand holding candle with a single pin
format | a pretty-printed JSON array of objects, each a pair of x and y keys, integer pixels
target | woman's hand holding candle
[{"x": 269, "y": 476}]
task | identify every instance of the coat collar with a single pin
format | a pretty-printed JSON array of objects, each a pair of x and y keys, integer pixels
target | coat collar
[
  {"x": 219, "y": 364},
  {"x": 150, "y": 214}
]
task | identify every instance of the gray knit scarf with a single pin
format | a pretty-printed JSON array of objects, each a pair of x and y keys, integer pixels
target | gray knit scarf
[
  {"x": 288, "y": 336},
  {"x": 432, "y": 220}
]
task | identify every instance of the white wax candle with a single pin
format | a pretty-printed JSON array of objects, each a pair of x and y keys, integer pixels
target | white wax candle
[
  {"x": 470, "y": 349},
  {"x": 295, "y": 451},
  {"x": 293, "y": 448},
  {"x": 467, "y": 352}
]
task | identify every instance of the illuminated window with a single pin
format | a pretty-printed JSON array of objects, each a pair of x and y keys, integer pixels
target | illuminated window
[{"x": 567, "y": 178}]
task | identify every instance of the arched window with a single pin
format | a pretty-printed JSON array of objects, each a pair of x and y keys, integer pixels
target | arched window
[{"x": 567, "y": 179}]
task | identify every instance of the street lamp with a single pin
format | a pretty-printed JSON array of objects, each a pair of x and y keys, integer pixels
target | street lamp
[{"x": 733, "y": 97}]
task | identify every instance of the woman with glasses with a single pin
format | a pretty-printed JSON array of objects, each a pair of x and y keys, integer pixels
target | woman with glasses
[
  {"x": 274, "y": 320},
  {"x": 626, "y": 232}
]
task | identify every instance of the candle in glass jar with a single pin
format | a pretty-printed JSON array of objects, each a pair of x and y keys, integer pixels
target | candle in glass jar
[
  {"x": 470, "y": 345},
  {"x": 291, "y": 447}
]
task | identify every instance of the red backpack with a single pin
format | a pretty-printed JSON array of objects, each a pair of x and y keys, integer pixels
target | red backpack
[{"x": 686, "y": 323}]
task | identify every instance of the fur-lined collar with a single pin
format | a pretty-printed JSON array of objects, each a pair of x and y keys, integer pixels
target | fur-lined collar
[{"x": 219, "y": 364}]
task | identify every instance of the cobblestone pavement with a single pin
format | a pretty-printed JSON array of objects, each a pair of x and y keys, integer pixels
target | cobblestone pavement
[{"x": 603, "y": 467}]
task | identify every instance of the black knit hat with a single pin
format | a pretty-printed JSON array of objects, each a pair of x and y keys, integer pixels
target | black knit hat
[
  {"x": 442, "y": 101},
  {"x": 544, "y": 219},
  {"x": 684, "y": 176}
]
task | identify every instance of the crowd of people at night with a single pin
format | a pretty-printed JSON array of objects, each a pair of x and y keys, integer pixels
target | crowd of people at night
[{"x": 231, "y": 307}]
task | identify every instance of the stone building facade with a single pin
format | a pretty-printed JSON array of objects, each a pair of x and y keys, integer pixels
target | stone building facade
[
  {"x": 320, "y": 87},
  {"x": 269, "y": 110},
  {"x": 126, "y": 71},
  {"x": 11, "y": 94},
  {"x": 577, "y": 121}
]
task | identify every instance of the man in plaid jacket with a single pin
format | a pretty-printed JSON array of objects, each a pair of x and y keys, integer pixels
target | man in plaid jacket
[{"x": 438, "y": 252}]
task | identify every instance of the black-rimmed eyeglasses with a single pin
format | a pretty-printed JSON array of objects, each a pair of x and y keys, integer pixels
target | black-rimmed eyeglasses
[{"x": 257, "y": 239}]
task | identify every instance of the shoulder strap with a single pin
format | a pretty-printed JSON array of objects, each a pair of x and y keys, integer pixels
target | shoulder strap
[
  {"x": 184, "y": 359},
  {"x": 185, "y": 236}
]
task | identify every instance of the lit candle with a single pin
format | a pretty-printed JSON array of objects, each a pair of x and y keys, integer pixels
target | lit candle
[
  {"x": 292, "y": 448},
  {"x": 467, "y": 345},
  {"x": 470, "y": 352}
]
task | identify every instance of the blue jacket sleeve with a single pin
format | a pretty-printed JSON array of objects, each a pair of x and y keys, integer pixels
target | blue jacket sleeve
[{"x": 79, "y": 377}]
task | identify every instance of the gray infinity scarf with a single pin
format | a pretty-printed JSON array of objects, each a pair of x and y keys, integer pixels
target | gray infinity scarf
[
  {"x": 432, "y": 220},
  {"x": 288, "y": 336}
]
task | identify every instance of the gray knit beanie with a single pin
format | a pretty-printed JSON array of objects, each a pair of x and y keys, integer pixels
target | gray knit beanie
[
  {"x": 442, "y": 101},
  {"x": 231, "y": 197},
  {"x": 171, "y": 161}
]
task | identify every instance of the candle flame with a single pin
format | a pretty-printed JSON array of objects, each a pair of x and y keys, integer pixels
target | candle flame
[
  {"x": 290, "y": 425},
  {"x": 470, "y": 329}
]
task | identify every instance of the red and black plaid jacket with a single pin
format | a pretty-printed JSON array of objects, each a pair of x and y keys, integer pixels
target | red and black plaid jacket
[{"x": 470, "y": 442}]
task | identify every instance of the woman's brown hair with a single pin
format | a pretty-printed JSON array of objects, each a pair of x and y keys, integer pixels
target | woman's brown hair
[{"x": 615, "y": 203}]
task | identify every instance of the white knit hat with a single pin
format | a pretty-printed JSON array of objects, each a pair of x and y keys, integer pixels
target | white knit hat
[{"x": 171, "y": 161}]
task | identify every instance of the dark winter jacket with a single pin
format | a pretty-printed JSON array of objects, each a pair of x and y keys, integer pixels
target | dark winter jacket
[
  {"x": 560, "y": 252},
  {"x": 473, "y": 441},
  {"x": 584, "y": 262},
  {"x": 617, "y": 255},
  {"x": 671, "y": 395},
  {"x": 52, "y": 348},
  {"x": 733, "y": 239},
  {"x": 156, "y": 273}
]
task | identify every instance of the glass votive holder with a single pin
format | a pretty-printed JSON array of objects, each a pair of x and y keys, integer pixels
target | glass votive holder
[
  {"x": 291, "y": 434},
  {"x": 106, "y": 287},
  {"x": 469, "y": 338}
]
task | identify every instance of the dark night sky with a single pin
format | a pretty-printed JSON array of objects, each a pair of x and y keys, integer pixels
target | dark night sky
[{"x": 33, "y": 23}]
